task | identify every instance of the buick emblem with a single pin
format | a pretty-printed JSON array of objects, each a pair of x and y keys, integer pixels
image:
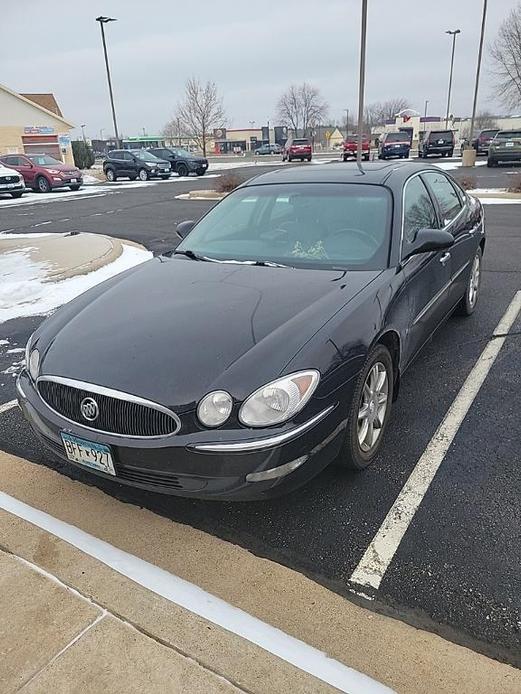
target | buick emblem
[{"x": 89, "y": 409}]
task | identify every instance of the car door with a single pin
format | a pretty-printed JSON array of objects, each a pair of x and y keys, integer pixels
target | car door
[
  {"x": 27, "y": 169},
  {"x": 456, "y": 218},
  {"x": 427, "y": 276}
]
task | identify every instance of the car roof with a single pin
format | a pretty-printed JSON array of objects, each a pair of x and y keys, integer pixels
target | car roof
[{"x": 391, "y": 173}]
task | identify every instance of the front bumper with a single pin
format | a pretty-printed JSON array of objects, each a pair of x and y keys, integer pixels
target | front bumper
[
  {"x": 504, "y": 155},
  {"x": 12, "y": 187},
  {"x": 438, "y": 149},
  {"x": 188, "y": 465},
  {"x": 395, "y": 151},
  {"x": 58, "y": 182}
]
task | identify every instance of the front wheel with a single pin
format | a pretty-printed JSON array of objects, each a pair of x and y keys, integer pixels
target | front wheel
[
  {"x": 369, "y": 411},
  {"x": 165, "y": 177},
  {"x": 75, "y": 186},
  {"x": 18, "y": 194},
  {"x": 366, "y": 157},
  {"x": 143, "y": 175},
  {"x": 468, "y": 303},
  {"x": 111, "y": 175},
  {"x": 200, "y": 172},
  {"x": 42, "y": 185},
  {"x": 491, "y": 163},
  {"x": 182, "y": 169}
]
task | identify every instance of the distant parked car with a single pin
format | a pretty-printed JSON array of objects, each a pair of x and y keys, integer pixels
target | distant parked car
[
  {"x": 269, "y": 149},
  {"x": 11, "y": 182},
  {"x": 298, "y": 148},
  {"x": 437, "y": 142},
  {"x": 505, "y": 147},
  {"x": 350, "y": 147},
  {"x": 134, "y": 163},
  {"x": 43, "y": 173},
  {"x": 483, "y": 140},
  {"x": 181, "y": 161},
  {"x": 394, "y": 145}
]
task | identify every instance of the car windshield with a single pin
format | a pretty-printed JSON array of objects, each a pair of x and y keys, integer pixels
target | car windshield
[
  {"x": 300, "y": 225},
  {"x": 397, "y": 137},
  {"x": 508, "y": 135},
  {"x": 143, "y": 155},
  {"x": 44, "y": 160}
]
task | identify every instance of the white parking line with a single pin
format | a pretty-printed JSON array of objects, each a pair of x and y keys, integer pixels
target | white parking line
[
  {"x": 8, "y": 406},
  {"x": 377, "y": 557},
  {"x": 199, "y": 602}
]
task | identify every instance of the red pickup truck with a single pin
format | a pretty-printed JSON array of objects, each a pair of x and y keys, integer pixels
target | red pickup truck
[{"x": 350, "y": 146}]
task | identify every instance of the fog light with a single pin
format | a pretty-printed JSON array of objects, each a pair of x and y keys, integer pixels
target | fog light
[{"x": 275, "y": 472}]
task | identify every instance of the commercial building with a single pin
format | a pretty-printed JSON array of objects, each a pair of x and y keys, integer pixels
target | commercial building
[{"x": 33, "y": 123}]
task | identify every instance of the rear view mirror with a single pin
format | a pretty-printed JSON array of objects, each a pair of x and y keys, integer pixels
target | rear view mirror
[
  {"x": 430, "y": 240},
  {"x": 184, "y": 228}
]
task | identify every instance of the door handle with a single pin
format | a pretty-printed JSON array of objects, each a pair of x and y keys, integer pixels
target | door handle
[{"x": 445, "y": 258}]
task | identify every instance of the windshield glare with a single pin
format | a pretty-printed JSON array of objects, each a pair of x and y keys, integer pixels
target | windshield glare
[
  {"x": 44, "y": 160},
  {"x": 144, "y": 156},
  {"x": 299, "y": 225}
]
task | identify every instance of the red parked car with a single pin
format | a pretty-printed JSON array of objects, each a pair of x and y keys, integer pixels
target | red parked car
[
  {"x": 350, "y": 146},
  {"x": 43, "y": 172},
  {"x": 299, "y": 148}
]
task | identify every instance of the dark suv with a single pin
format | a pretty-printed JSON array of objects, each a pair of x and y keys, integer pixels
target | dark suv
[
  {"x": 134, "y": 163},
  {"x": 394, "y": 145},
  {"x": 437, "y": 142},
  {"x": 483, "y": 140},
  {"x": 181, "y": 161}
]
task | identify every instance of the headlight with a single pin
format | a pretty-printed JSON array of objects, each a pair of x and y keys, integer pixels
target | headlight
[
  {"x": 215, "y": 408},
  {"x": 279, "y": 400},
  {"x": 54, "y": 171},
  {"x": 34, "y": 363}
]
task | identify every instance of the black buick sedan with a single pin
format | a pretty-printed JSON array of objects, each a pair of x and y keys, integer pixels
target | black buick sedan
[{"x": 270, "y": 343}]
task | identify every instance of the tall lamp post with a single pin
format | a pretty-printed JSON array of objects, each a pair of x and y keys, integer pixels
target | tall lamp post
[
  {"x": 361, "y": 84},
  {"x": 453, "y": 34},
  {"x": 470, "y": 159},
  {"x": 82, "y": 126},
  {"x": 104, "y": 20}
]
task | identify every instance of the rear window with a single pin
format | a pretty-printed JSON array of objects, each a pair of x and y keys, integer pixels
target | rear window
[
  {"x": 397, "y": 137},
  {"x": 508, "y": 135},
  {"x": 488, "y": 133},
  {"x": 302, "y": 141},
  {"x": 441, "y": 135}
]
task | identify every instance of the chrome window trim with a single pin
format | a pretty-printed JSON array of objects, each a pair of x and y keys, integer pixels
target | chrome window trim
[
  {"x": 111, "y": 393},
  {"x": 260, "y": 444}
]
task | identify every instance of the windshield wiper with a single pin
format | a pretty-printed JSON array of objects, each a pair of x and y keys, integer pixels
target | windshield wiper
[
  {"x": 267, "y": 263},
  {"x": 189, "y": 254}
]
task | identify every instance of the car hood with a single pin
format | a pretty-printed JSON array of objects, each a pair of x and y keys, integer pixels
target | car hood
[
  {"x": 59, "y": 167},
  {"x": 171, "y": 330},
  {"x": 6, "y": 171}
]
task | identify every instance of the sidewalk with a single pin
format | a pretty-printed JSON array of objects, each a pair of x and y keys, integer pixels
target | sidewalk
[{"x": 112, "y": 609}]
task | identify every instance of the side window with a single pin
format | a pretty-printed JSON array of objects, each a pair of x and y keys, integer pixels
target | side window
[
  {"x": 127, "y": 156},
  {"x": 11, "y": 161},
  {"x": 418, "y": 210},
  {"x": 448, "y": 199}
]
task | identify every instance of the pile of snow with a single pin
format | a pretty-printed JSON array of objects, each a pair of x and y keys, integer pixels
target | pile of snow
[{"x": 26, "y": 290}]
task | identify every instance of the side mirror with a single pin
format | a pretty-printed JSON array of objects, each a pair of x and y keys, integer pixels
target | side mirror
[
  {"x": 430, "y": 240},
  {"x": 184, "y": 228}
]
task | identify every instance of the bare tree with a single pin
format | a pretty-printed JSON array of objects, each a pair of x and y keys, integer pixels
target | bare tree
[
  {"x": 484, "y": 121},
  {"x": 381, "y": 111},
  {"x": 506, "y": 57},
  {"x": 172, "y": 130},
  {"x": 201, "y": 112},
  {"x": 301, "y": 108}
]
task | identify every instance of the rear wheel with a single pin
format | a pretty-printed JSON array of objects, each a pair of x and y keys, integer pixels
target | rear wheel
[
  {"x": 143, "y": 175},
  {"x": 491, "y": 163},
  {"x": 369, "y": 411},
  {"x": 200, "y": 172},
  {"x": 42, "y": 185},
  {"x": 451, "y": 153},
  {"x": 289, "y": 158},
  {"x": 344, "y": 157},
  {"x": 182, "y": 169},
  {"x": 111, "y": 175},
  {"x": 468, "y": 303},
  {"x": 309, "y": 158},
  {"x": 366, "y": 157}
]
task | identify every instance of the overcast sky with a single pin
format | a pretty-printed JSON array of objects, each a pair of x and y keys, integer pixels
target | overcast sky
[{"x": 252, "y": 50}]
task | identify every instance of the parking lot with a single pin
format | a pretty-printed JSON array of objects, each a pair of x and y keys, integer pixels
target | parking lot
[{"x": 456, "y": 570}]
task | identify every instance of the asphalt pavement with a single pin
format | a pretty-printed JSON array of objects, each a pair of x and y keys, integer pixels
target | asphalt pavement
[{"x": 456, "y": 571}]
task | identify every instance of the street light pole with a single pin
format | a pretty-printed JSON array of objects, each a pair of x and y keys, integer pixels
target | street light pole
[
  {"x": 104, "y": 20},
  {"x": 478, "y": 69},
  {"x": 82, "y": 126},
  {"x": 361, "y": 85},
  {"x": 347, "y": 122},
  {"x": 453, "y": 34}
]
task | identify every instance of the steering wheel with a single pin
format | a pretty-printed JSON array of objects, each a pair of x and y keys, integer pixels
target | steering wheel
[{"x": 364, "y": 235}]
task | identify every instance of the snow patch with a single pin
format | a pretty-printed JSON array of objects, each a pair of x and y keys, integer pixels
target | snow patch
[{"x": 26, "y": 290}]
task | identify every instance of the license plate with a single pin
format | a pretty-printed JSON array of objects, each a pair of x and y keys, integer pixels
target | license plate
[
  {"x": 73, "y": 180},
  {"x": 88, "y": 453},
  {"x": 12, "y": 185},
  {"x": 509, "y": 144}
]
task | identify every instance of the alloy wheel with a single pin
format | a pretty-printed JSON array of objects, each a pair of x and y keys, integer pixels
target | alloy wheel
[
  {"x": 373, "y": 407},
  {"x": 475, "y": 274}
]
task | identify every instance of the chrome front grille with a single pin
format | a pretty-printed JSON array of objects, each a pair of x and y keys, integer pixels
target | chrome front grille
[
  {"x": 9, "y": 179},
  {"x": 119, "y": 413}
]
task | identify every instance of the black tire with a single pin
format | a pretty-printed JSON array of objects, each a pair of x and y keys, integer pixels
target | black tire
[
  {"x": 182, "y": 169},
  {"x": 165, "y": 177},
  {"x": 451, "y": 153},
  {"x": 143, "y": 175},
  {"x": 351, "y": 454},
  {"x": 75, "y": 186},
  {"x": 344, "y": 157},
  {"x": 42, "y": 185},
  {"x": 309, "y": 158},
  {"x": 491, "y": 163},
  {"x": 111, "y": 175},
  {"x": 290, "y": 159},
  {"x": 468, "y": 303},
  {"x": 18, "y": 194},
  {"x": 366, "y": 157},
  {"x": 200, "y": 172},
  {"x": 132, "y": 178}
]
